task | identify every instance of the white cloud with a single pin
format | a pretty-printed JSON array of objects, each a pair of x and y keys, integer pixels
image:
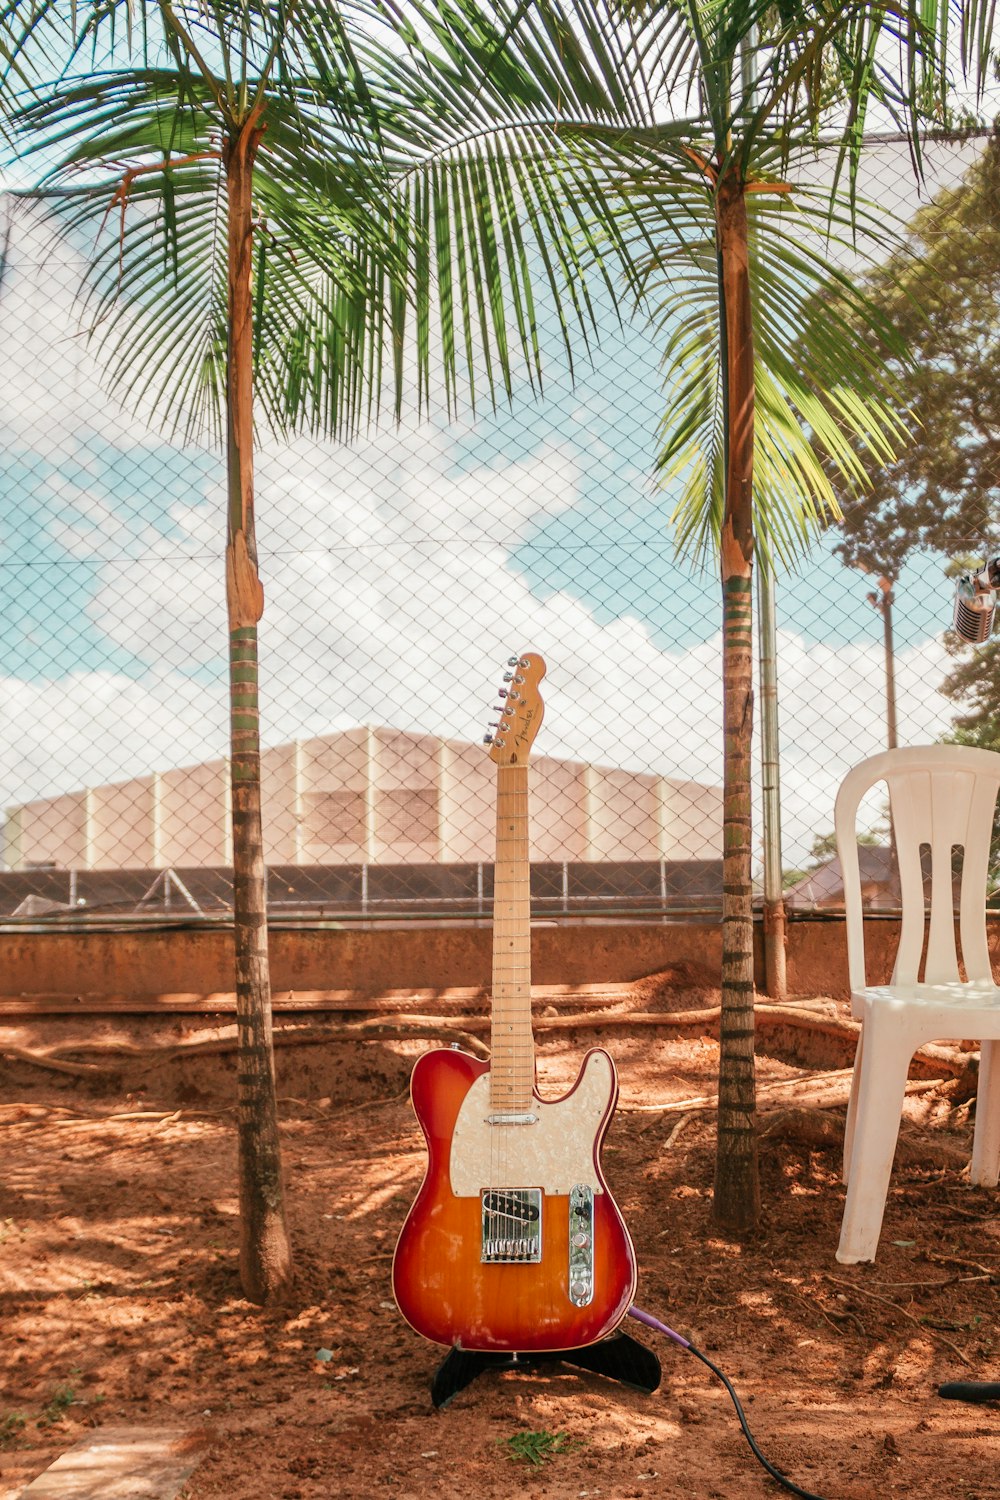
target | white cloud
[
  {"x": 50, "y": 375},
  {"x": 91, "y": 727}
]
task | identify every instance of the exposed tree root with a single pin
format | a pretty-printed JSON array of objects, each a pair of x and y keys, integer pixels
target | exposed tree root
[
  {"x": 808, "y": 1127},
  {"x": 54, "y": 1064},
  {"x": 819, "y": 1127},
  {"x": 813, "y": 1085},
  {"x": 862, "y": 1291},
  {"x": 818, "y": 1019},
  {"x": 395, "y": 1029}
]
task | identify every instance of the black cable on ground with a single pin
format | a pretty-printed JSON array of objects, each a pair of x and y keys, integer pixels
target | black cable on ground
[
  {"x": 977, "y": 1391},
  {"x": 683, "y": 1343}
]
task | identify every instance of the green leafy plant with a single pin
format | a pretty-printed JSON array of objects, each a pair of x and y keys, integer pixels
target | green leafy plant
[
  {"x": 539, "y": 1448},
  {"x": 10, "y": 1426}
]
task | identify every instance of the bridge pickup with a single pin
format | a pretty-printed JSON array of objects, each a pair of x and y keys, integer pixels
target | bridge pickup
[
  {"x": 512, "y": 1226},
  {"x": 581, "y": 1244}
]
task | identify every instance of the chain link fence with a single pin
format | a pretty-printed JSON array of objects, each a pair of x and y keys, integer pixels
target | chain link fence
[{"x": 400, "y": 574}]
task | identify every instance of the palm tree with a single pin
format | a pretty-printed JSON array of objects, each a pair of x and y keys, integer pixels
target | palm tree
[
  {"x": 698, "y": 118},
  {"x": 271, "y": 221}
]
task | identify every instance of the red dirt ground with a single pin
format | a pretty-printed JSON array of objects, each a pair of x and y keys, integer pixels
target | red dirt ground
[{"x": 119, "y": 1296}]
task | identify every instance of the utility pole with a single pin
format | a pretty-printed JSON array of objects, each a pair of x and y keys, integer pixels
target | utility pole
[{"x": 883, "y": 602}]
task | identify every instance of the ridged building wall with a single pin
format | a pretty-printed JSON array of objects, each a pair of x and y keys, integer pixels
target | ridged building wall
[{"x": 370, "y": 795}]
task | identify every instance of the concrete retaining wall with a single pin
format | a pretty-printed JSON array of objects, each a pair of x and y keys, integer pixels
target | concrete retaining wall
[{"x": 198, "y": 963}]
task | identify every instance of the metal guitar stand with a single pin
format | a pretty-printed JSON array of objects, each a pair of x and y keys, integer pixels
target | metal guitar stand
[{"x": 621, "y": 1358}]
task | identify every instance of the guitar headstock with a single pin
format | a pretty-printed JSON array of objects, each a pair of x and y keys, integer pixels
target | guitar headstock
[{"x": 520, "y": 711}]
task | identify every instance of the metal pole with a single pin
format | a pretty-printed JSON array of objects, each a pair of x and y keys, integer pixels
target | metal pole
[
  {"x": 883, "y": 600},
  {"x": 775, "y": 975},
  {"x": 890, "y": 670}
]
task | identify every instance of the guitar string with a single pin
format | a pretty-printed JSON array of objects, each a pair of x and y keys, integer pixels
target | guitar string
[
  {"x": 512, "y": 917},
  {"x": 511, "y": 1090},
  {"x": 499, "y": 921},
  {"x": 517, "y": 1104},
  {"x": 512, "y": 1049}
]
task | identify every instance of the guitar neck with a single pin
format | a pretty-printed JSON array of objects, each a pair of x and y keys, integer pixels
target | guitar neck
[{"x": 512, "y": 1066}]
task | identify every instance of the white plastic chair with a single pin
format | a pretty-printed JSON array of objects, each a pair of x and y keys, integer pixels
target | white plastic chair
[{"x": 941, "y": 796}]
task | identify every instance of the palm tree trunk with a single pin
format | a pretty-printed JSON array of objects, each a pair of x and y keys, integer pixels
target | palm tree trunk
[
  {"x": 736, "y": 1199},
  {"x": 265, "y": 1251}
]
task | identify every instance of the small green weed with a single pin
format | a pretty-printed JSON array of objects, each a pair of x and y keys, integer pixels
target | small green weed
[
  {"x": 539, "y": 1448},
  {"x": 62, "y": 1397},
  {"x": 10, "y": 1426}
]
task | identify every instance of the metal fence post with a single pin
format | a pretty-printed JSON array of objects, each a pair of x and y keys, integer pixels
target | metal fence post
[{"x": 775, "y": 977}]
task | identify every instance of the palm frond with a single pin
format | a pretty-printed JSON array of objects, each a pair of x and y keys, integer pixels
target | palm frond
[{"x": 823, "y": 394}]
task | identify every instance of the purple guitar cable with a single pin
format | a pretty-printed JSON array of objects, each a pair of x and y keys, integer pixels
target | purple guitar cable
[{"x": 683, "y": 1343}]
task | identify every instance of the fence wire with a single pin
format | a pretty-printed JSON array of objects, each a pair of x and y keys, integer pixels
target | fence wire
[{"x": 400, "y": 574}]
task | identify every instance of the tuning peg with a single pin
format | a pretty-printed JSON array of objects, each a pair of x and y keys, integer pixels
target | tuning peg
[
  {"x": 501, "y": 692},
  {"x": 513, "y": 661},
  {"x": 487, "y": 739}
]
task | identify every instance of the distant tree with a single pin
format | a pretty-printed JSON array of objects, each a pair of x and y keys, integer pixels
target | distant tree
[
  {"x": 942, "y": 491},
  {"x": 974, "y": 685},
  {"x": 824, "y": 845},
  {"x": 941, "y": 291}
]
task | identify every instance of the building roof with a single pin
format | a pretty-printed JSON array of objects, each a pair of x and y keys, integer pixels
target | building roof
[{"x": 824, "y": 886}]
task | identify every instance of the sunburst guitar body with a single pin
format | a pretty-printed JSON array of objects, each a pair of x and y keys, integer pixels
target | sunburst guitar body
[{"x": 514, "y": 1242}]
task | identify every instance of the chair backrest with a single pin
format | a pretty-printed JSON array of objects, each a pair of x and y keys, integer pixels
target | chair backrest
[{"x": 941, "y": 796}]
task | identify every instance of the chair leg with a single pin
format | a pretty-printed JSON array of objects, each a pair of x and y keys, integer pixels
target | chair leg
[
  {"x": 986, "y": 1142},
  {"x": 852, "y": 1109},
  {"x": 881, "y": 1089}
]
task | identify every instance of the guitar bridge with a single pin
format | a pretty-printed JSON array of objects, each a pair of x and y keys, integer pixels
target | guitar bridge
[{"x": 512, "y": 1226}]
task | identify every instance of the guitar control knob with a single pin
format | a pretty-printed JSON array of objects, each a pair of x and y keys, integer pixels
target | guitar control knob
[
  {"x": 581, "y": 1241},
  {"x": 578, "y": 1291}
]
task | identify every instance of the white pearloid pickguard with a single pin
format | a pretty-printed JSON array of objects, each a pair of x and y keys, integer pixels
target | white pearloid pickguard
[{"x": 556, "y": 1153}]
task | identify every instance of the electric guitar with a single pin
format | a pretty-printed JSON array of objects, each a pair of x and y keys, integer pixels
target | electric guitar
[{"x": 513, "y": 1242}]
